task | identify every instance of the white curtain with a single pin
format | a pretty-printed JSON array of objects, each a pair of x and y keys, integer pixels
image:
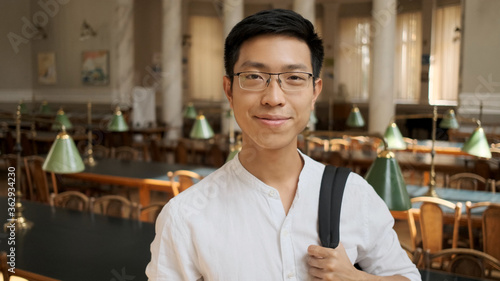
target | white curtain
[
  {"x": 206, "y": 65},
  {"x": 354, "y": 57},
  {"x": 445, "y": 55},
  {"x": 408, "y": 56}
]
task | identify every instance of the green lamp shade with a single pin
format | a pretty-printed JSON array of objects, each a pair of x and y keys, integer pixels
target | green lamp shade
[
  {"x": 449, "y": 120},
  {"x": 63, "y": 157},
  {"x": 61, "y": 120},
  {"x": 232, "y": 154},
  {"x": 312, "y": 117},
  {"x": 386, "y": 178},
  {"x": 477, "y": 144},
  {"x": 190, "y": 112},
  {"x": 118, "y": 123},
  {"x": 394, "y": 137},
  {"x": 355, "y": 119},
  {"x": 44, "y": 108},
  {"x": 201, "y": 129},
  {"x": 23, "y": 108}
]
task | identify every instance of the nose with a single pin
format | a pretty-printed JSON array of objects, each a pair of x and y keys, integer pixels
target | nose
[{"x": 273, "y": 95}]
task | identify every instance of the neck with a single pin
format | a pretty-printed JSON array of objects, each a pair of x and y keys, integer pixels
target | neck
[{"x": 278, "y": 168}]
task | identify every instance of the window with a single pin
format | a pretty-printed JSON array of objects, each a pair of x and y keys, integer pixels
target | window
[
  {"x": 408, "y": 53},
  {"x": 354, "y": 57},
  {"x": 206, "y": 66},
  {"x": 445, "y": 55}
]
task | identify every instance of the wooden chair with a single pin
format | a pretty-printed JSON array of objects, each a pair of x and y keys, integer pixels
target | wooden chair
[
  {"x": 185, "y": 179},
  {"x": 125, "y": 153},
  {"x": 181, "y": 153},
  {"x": 73, "y": 200},
  {"x": 215, "y": 156},
  {"x": 461, "y": 261},
  {"x": 6, "y": 274},
  {"x": 490, "y": 226},
  {"x": 152, "y": 211},
  {"x": 432, "y": 222},
  {"x": 468, "y": 181},
  {"x": 37, "y": 178},
  {"x": 113, "y": 205},
  {"x": 100, "y": 151},
  {"x": 414, "y": 255}
]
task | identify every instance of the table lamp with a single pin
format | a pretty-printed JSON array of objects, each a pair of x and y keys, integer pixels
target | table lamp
[
  {"x": 24, "y": 109},
  {"x": 449, "y": 120},
  {"x": 355, "y": 119},
  {"x": 61, "y": 120},
  {"x": 44, "y": 108},
  {"x": 20, "y": 222},
  {"x": 190, "y": 111},
  {"x": 387, "y": 179},
  {"x": 201, "y": 128},
  {"x": 118, "y": 123},
  {"x": 63, "y": 156},
  {"x": 394, "y": 137},
  {"x": 477, "y": 144},
  {"x": 89, "y": 155}
]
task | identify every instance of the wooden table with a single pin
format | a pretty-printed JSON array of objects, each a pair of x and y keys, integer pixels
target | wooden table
[
  {"x": 452, "y": 195},
  {"x": 145, "y": 176},
  {"x": 80, "y": 246}
]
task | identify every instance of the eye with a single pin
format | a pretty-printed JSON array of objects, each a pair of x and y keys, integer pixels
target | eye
[{"x": 253, "y": 76}]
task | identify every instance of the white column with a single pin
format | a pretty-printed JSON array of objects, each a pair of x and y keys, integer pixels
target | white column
[
  {"x": 171, "y": 89},
  {"x": 123, "y": 53},
  {"x": 383, "y": 33},
  {"x": 233, "y": 13},
  {"x": 305, "y": 8}
]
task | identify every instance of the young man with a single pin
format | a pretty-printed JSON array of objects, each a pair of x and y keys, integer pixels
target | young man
[{"x": 256, "y": 218}]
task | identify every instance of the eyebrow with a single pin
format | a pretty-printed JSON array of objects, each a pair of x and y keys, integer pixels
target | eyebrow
[{"x": 288, "y": 67}]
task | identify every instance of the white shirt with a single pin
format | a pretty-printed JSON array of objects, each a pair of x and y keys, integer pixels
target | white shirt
[{"x": 231, "y": 226}]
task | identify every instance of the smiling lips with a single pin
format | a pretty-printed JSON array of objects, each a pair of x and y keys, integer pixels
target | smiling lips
[{"x": 272, "y": 120}]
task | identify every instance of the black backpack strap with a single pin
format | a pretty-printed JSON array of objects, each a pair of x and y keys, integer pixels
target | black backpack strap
[{"x": 330, "y": 201}]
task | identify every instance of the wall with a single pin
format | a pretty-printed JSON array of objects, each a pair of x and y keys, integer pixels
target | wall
[
  {"x": 16, "y": 64},
  {"x": 480, "y": 71},
  {"x": 62, "y": 20}
]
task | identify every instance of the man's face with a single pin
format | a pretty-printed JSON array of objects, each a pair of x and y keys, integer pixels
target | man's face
[{"x": 272, "y": 118}]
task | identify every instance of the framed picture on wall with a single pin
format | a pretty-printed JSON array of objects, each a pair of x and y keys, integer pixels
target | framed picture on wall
[
  {"x": 95, "y": 67},
  {"x": 47, "y": 68}
]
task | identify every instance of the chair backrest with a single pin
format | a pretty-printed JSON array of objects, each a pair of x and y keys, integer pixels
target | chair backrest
[
  {"x": 100, "y": 151},
  {"x": 125, "y": 153},
  {"x": 37, "y": 178},
  {"x": 73, "y": 200},
  {"x": 432, "y": 221},
  {"x": 155, "y": 153},
  {"x": 6, "y": 274},
  {"x": 152, "y": 211},
  {"x": 181, "y": 153},
  {"x": 462, "y": 261},
  {"x": 466, "y": 181},
  {"x": 184, "y": 179},
  {"x": 113, "y": 205},
  {"x": 490, "y": 226},
  {"x": 215, "y": 157}
]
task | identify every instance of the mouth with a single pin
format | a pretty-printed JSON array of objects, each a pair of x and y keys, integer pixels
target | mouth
[{"x": 272, "y": 120}]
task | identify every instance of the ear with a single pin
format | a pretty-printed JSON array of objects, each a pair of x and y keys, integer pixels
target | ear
[
  {"x": 226, "y": 84},
  {"x": 318, "y": 86}
]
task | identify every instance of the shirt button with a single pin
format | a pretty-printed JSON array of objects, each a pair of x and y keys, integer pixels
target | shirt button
[
  {"x": 272, "y": 193},
  {"x": 285, "y": 232},
  {"x": 290, "y": 275}
]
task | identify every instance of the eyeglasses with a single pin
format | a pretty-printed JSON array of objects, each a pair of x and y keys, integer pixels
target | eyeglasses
[{"x": 288, "y": 81}]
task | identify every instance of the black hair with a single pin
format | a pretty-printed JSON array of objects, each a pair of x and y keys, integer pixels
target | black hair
[{"x": 278, "y": 22}]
